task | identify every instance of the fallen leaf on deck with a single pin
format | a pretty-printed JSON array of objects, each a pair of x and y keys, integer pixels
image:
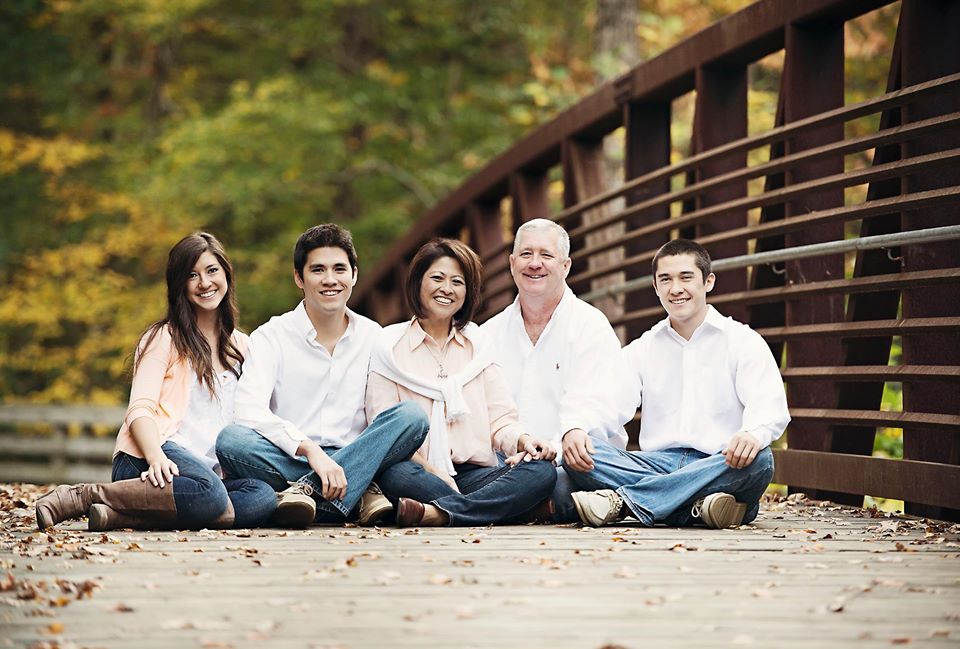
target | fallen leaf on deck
[
  {"x": 623, "y": 572},
  {"x": 54, "y": 629}
]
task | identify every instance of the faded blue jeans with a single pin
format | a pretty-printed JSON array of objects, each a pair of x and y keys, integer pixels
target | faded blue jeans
[
  {"x": 662, "y": 486},
  {"x": 487, "y": 495},
  {"x": 392, "y": 437},
  {"x": 199, "y": 493}
]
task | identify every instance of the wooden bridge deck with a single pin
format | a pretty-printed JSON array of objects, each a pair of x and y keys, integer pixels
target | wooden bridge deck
[{"x": 804, "y": 575}]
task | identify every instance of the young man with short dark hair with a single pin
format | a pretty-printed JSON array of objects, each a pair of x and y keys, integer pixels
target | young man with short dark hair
[
  {"x": 300, "y": 421},
  {"x": 713, "y": 402}
]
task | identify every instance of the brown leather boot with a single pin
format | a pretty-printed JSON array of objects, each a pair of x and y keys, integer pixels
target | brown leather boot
[
  {"x": 542, "y": 513},
  {"x": 225, "y": 520},
  {"x": 102, "y": 518},
  {"x": 64, "y": 502},
  {"x": 132, "y": 495}
]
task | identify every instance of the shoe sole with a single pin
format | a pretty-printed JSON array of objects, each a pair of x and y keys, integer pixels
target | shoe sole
[
  {"x": 294, "y": 515},
  {"x": 375, "y": 515},
  {"x": 724, "y": 512}
]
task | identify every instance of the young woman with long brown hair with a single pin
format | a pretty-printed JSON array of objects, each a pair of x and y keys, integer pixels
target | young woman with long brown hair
[{"x": 165, "y": 471}]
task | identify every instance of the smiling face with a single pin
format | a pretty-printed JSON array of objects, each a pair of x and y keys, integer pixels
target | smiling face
[
  {"x": 537, "y": 267},
  {"x": 682, "y": 290},
  {"x": 206, "y": 283},
  {"x": 443, "y": 290},
  {"x": 327, "y": 281}
]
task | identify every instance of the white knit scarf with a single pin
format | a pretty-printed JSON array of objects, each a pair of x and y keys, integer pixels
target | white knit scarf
[{"x": 444, "y": 392}]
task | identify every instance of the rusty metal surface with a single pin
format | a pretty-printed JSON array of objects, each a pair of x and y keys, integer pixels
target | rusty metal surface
[
  {"x": 873, "y": 373},
  {"x": 925, "y": 482}
]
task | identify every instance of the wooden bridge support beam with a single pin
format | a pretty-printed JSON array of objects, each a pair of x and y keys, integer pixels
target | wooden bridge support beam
[
  {"x": 814, "y": 47},
  {"x": 880, "y": 305},
  {"x": 930, "y": 49},
  {"x": 720, "y": 116},
  {"x": 529, "y": 194},
  {"x": 584, "y": 176},
  {"x": 647, "y": 149},
  {"x": 486, "y": 237}
]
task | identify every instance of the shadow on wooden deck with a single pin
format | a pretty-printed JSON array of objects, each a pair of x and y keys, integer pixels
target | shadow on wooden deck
[{"x": 804, "y": 575}]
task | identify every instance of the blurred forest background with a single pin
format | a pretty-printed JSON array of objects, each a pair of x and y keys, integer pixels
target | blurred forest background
[{"x": 126, "y": 124}]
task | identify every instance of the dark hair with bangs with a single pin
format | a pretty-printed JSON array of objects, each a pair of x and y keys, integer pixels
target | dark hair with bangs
[
  {"x": 181, "y": 318},
  {"x": 472, "y": 276},
  {"x": 684, "y": 247},
  {"x": 327, "y": 235}
]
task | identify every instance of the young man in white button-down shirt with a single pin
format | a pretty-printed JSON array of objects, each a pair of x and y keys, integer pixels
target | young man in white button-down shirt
[
  {"x": 300, "y": 421},
  {"x": 713, "y": 402},
  {"x": 550, "y": 344}
]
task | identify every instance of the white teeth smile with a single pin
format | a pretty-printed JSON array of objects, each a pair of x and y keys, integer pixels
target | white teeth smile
[
  {"x": 443, "y": 300},
  {"x": 329, "y": 293},
  {"x": 208, "y": 294},
  {"x": 536, "y": 276},
  {"x": 682, "y": 300}
]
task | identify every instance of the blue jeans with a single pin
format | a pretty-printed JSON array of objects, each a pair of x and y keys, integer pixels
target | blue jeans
[
  {"x": 393, "y": 436},
  {"x": 662, "y": 486},
  {"x": 199, "y": 493},
  {"x": 564, "y": 511},
  {"x": 487, "y": 494}
]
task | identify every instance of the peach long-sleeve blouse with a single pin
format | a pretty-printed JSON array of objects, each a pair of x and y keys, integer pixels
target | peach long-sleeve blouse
[
  {"x": 492, "y": 425},
  {"x": 160, "y": 388}
]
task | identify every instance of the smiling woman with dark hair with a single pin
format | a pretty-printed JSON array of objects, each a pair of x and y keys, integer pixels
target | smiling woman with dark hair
[
  {"x": 185, "y": 374},
  {"x": 438, "y": 360}
]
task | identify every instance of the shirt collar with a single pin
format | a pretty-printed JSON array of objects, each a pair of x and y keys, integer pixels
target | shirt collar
[
  {"x": 712, "y": 319},
  {"x": 302, "y": 322},
  {"x": 417, "y": 335},
  {"x": 565, "y": 300}
]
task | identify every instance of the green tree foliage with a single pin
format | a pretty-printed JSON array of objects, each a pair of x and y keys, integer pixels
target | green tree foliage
[{"x": 125, "y": 125}]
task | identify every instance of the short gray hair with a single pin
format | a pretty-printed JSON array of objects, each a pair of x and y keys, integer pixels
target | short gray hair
[{"x": 563, "y": 239}]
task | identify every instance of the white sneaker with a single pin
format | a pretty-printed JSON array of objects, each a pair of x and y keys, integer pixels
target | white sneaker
[
  {"x": 374, "y": 506},
  {"x": 295, "y": 506},
  {"x": 597, "y": 508},
  {"x": 719, "y": 511}
]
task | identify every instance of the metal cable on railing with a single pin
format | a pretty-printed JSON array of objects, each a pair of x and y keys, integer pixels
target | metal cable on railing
[{"x": 928, "y": 235}]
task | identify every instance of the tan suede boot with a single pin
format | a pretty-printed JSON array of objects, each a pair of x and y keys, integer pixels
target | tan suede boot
[
  {"x": 132, "y": 495},
  {"x": 102, "y": 518}
]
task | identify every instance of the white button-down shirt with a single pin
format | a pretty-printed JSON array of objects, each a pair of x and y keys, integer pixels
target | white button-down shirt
[
  {"x": 698, "y": 393},
  {"x": 206, "y": 416},
  {"x": 577, "y": 348},
  {"x": 293, "y": 389}
]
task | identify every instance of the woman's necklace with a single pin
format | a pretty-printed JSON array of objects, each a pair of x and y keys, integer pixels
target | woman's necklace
[{"x": 442, "y": 373}]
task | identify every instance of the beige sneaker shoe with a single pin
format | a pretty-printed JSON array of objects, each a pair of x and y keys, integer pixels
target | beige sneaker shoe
[
  {"x": 374, "y": 506},
  {"x": 719, "y": 511},
  {"x": 598, "y": 508},
  {"x": 295, "y": 506}
]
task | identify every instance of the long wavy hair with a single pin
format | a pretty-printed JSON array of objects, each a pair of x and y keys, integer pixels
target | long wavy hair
[{"x": 181, "y": 318}]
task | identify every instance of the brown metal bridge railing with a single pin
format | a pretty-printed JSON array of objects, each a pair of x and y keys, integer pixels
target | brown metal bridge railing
[{"x": 834, "y": 319}]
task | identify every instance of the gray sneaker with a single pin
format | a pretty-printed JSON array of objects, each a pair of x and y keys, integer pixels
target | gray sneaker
[
  {"x": 719, "y": 511},
  {"x": 374, "y": 506},
  {"x": 597, "y": 508},
  {"x": 295, "y": 506}
]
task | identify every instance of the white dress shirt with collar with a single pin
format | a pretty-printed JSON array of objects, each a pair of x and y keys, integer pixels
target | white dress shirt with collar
[
  {"x": 293, "y": 389},
  {"x": 577, "y": 348},
  {"x": 698, "y": 393}
]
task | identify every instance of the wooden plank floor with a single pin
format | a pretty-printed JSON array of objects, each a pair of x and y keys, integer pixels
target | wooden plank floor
[{"x": 804, "y": 575}]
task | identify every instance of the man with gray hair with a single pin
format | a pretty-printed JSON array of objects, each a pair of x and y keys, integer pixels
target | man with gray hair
[{"x": 550, "y": 344}]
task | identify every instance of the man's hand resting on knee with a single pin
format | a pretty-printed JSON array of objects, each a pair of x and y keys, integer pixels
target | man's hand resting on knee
[
  {"x": 742, "y": 450},
  {"x": 332, "y": 477},
  {"x": 577, "y": 449}
]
